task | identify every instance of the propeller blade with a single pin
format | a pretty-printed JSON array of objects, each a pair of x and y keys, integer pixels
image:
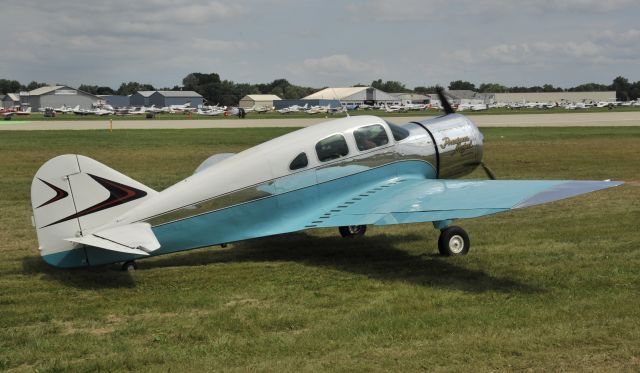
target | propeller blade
[
  {"x": 488, "y": 171},
  {"x": 443, "y": 101}
]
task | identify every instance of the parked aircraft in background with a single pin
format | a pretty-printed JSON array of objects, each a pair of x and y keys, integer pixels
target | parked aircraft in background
[
  {"x": 346, "y": 173},
  {"x": 183, "y": 108},
  {"x": 318, "y": 109},
  {"x": 210, "y": 112},
  {"x": 293, "y": 109}
]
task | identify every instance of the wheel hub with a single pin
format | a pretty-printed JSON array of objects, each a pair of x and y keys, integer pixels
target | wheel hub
[{"x": 456, "y": 244}]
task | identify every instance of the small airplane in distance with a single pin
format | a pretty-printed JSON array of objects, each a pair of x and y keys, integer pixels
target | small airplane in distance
[
  {"x": 318, "y": 109},
  {"x": 183, "y": 108},
  {"x": 472, "y": 107},
  {"x": 345, "y": 173},
  {"x": 293, "y": 109},
  {"x": 64, "y": 109},
  {"x": 8, "y": 114},
  {"x": 392, "y": 108},
  {"x": 210, "y": 112}
]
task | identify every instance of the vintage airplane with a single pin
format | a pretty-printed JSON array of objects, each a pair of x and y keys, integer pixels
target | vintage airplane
[{"x": 346, "y": 173}]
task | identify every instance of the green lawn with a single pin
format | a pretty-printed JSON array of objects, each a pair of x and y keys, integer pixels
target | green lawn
[{"x": 553, "y": 287}]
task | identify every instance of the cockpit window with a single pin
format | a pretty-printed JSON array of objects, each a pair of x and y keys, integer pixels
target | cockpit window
[
  {"x": 399, "y": 133},
  {"x": 332, "y": 147},
  {"x": 300, "y": 161},
  {"x": 370, "y": 137}
]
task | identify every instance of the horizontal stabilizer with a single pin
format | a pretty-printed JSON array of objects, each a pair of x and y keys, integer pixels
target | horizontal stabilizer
[{"x": 137, "y": 238}]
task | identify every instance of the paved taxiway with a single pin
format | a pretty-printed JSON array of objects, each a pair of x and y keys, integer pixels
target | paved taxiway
[{"x": 607, "y": 119}]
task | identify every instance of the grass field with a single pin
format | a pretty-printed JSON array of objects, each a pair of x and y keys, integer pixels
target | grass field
[
  {"x": 553, "y": 287},
  {"x": 275, "y": 115}
]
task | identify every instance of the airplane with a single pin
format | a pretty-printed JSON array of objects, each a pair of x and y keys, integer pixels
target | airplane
[
  {"x": 472, "y": 107},
  {"x": 211, "y": 112},
  {"x": 8, "y": 114},
  {"x": 293, "y": 109},
  {"x": 392, "y": 108},
  {"x": 345, "y": 173},
  {"x": 186, "y": 107},
  {"x": 64, "y": 109},
  {"x": 262, "y": 109},
  {"x": 318, "y": 109}
]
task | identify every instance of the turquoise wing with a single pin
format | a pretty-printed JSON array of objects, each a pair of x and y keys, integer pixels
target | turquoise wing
[{"x": 418, "y": 200}]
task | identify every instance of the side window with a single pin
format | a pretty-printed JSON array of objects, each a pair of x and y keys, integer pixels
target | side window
[
  {"x": 370, "y": 137},
  {"x": 300, "y": 161},
  {"x": 398, "y": 132},
  {"x": 331, "y": 148}
]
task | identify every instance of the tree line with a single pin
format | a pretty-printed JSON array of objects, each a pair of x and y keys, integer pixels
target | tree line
[
  {"x": 625, "y": 90},
  {"x": 226, "y": 92}
]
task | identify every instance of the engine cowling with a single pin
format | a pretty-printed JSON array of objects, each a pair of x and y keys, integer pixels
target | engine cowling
[{"x": 458, "y": 144}]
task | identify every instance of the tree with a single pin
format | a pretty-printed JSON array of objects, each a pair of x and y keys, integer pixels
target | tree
[
  {"x": 621, "y": 86},
  {"x": 389, "y": 86},
  {"x": 492, "y": 88},
  {"x": 34, "y": 85},
  {"x": 425, "y": 90},
  {"x": 589, "y": 87},
  {"x": 461, "y": 85},
  {"x": 133, "y": 87},
  {"x": 9, "y": 86}
]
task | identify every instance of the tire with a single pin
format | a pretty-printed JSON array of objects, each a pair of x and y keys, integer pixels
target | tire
[
  {"x": 453, "y": 241},
  {"x": 129, "y": 266},
  {"x": 352, "y": 231}
]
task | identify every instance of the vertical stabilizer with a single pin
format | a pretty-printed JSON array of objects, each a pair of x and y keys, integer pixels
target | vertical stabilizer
[{"x": 72, "y": 194}]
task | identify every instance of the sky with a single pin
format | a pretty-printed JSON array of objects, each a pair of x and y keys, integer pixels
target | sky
[{"x": 321, "y": 43}]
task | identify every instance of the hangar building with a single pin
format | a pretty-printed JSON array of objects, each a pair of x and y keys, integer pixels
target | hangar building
[
  {"x": 412, "y": 98},
  {"x": 258, "y": 100},
  {"x": 555, "y": 97},
  {"x": 168, "y": 98},
  {"x": 354, "y": 95},
  {"x": 141, "y": 98},
  {"x": 56, "y": 96},
  {"x": 116, "y": 100},
  {"x": 468, "y": 97},
  {"x": 10, "y": 101}
]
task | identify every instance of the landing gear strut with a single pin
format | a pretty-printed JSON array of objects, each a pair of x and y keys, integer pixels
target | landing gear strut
[
  {"x": 352, "y": 231},
  {"x": 453, "y": 241},
  {"x": 129, "y": 266}
]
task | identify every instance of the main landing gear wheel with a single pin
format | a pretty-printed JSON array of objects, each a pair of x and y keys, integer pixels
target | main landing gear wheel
[
  {"x": 453, "y": 241},
  {"x": 352, "y": 231},
  {"x": 129, "y": 266}
]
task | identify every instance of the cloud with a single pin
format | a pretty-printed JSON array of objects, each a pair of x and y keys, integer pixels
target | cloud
[
  {"x": 450, "y": 10},
  {"x": 337, "y": 63},
  {"x": 340, "y": 69}
]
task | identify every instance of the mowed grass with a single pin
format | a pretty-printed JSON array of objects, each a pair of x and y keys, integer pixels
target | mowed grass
[{"x": 553, "y": 287}]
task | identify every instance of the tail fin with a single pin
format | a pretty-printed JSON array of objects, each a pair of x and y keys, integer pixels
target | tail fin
[{"x": 71, "y": 194}]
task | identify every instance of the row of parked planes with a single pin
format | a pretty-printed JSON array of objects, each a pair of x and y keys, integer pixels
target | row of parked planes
[{"x": 216, "y": 110}]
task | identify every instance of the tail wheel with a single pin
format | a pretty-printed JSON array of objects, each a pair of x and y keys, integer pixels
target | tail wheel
[
  {"x": 129, "y": 266},
  {"x": 453, "y": 241},
  {"x": 352, "y": 231}
]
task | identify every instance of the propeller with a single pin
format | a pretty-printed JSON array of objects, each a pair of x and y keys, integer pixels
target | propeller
[
  {"x": 488, "y": 171},
  {"x": 443, "y": 101}
]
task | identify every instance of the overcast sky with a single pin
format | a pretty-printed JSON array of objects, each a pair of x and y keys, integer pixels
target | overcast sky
[{"x": 321, "y": 43}]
